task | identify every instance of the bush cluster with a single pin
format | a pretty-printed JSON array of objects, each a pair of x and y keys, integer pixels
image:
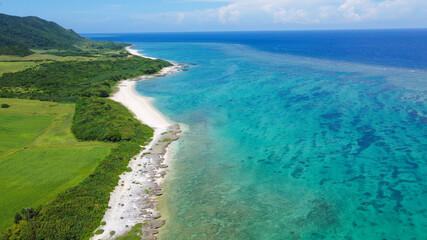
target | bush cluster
[
  {"x": 15, "y": 51},
  {"x": 105, "y": 120}
]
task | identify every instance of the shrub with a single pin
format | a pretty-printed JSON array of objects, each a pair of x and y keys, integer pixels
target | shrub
[
  {"x": 106, "y": 120},
  {"x": 15, "y": 51}
]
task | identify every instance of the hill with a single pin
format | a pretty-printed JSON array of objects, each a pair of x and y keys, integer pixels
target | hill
[{"x": 36, "y": 33}]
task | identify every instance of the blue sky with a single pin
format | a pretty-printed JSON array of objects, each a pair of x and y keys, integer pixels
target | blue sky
[{"x": 100, "y": 16}]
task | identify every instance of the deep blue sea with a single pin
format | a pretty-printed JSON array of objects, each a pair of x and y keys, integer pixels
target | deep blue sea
[{"x": 293, "y": 134}]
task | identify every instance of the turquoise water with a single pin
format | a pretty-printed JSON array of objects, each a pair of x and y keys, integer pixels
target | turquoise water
[{"x": 287, "y": 147}]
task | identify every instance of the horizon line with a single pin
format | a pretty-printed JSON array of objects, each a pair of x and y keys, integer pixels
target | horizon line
[{"x": 278, "y": 30}]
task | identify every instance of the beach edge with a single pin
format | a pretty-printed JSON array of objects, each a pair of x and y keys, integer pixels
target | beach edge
[{"x": 135, "y": 198}]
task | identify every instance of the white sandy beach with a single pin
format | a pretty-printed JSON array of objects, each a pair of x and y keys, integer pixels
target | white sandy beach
[
  {"x": 134, "y": 200},
  {"x": 136, "y": 52},
  {"x": 140, "y": 106}
]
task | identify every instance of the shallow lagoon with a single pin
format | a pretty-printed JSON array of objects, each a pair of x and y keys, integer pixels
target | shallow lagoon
[{"x": 280, "y": 146}]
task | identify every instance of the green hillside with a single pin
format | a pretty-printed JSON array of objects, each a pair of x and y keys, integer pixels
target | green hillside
[
  {"x": 33, "y": 32},
  {"x": 29, "y": 41}
]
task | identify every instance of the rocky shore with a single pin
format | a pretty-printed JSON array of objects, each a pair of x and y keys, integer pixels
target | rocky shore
[{"x": 135, "y": 198}]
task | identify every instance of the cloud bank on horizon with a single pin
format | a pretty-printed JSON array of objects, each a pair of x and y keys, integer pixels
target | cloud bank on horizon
[{"x": 214, "y": 15}]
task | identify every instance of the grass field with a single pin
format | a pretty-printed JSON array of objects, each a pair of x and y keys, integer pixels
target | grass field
[
  {"x": 45, "y": 55},
  {"x": 39, "y": 155},
  {"x": 15, "y": 63},
  {"x": 15, "y": 66},
  {"x": 40, "y": 55}
]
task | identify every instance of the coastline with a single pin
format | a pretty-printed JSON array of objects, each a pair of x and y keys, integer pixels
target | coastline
[
  {"x": 136, "y": 52},
  {"x": 135, "y": 198}
]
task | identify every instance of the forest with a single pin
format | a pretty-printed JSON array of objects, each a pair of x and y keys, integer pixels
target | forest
[{"x": 34, "y": 32}]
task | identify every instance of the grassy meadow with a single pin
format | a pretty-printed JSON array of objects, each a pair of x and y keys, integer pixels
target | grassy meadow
[
  {"x": 15, "y": 66},
  {"x": 10, "y": 63},
  {"x": 39, "y": 155}
]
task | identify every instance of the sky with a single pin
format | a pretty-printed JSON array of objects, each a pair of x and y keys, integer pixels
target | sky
[{"x": 119, "y": 16}]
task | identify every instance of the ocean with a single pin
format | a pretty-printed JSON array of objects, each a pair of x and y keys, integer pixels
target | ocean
[{"x": 293, "y": 134}]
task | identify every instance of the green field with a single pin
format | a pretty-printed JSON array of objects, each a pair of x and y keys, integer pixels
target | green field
[
  {"x": 15, "y": 63},
  {"x": 41, "y": 56},
  {"x": 39, "y": 155},
  {"x": 15, "y": 66}
]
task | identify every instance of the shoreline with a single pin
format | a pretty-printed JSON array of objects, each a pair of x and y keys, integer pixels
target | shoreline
[
  {"x": 136, "y": 52},
  {"x": 135, "y": 199}
]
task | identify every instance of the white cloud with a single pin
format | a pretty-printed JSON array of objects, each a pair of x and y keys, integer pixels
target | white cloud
[
  {"x": 319, "y": 11},
  {"x": 180, "y": 19},
  {"x": 291, "y": 15},
  {"x": 229, "y": 14},
  {"x": 279, "y": 14}
]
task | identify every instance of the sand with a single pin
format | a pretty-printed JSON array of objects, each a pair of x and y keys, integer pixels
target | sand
[
  {"x": 136, "y": 52},
  {"x": 134, "y": 200}
]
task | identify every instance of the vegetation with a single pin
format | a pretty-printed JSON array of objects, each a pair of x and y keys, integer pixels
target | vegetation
[
  {"x": 70, "y": 53},
  {"x": 15, "y": 51},
  {"x": 105, "y": 120},
  {"x": 7, "y": 67},
  {"x": 75, "y": 213},
  {"x": 34, "y": 32},
  {"x": 49, "y": 41},
  {"x": 79, "y": 209},
  {"x": 66, "y": 81},
  {"x": 92, "y": 49},
  {"x": 71, "y": 188},
  {"x": 40, "y": 56},
  {"x": 103, "y": 45},
  {"x": 39, "y": 155},
  {"x": 134, "y": 234}
]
